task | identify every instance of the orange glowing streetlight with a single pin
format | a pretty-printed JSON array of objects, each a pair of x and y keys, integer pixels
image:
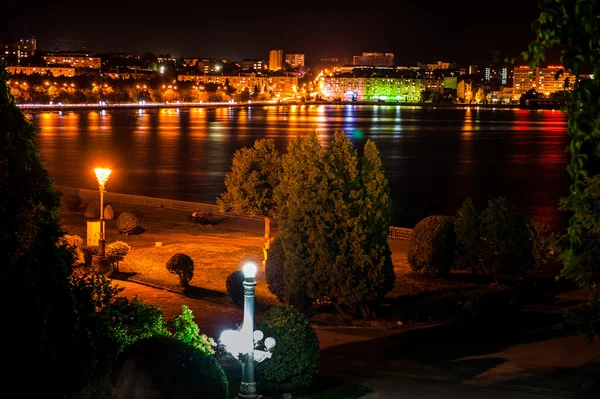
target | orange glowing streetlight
[{"x": 102, "y": 175}]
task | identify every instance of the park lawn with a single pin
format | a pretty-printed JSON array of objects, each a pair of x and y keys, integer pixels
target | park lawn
[{"x": 213, "y": 262}]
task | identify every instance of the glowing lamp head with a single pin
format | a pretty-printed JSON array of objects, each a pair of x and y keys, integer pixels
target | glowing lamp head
[
  {"x": 258, "y": 335},
  {"x": 270, "y": 343},
  {"x": 102, "y": 175},
  {"x": 249, "y": 270}
]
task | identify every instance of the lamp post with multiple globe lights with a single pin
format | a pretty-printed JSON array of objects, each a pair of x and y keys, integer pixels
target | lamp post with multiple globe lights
[{"x": 243, "y": 343}]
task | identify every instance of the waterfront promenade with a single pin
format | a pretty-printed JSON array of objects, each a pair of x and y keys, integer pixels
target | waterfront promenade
[{"x": 182, "y": 104}]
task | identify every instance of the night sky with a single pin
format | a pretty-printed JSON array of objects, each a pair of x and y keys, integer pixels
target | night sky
[{"x": 427, "y": 31}]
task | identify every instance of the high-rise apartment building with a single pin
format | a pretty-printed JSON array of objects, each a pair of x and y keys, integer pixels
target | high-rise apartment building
[
  {"x": 295, "y": 60},
  {"x": 276, "y": 60},
  {"x": 20, "y": 49},
  {"x": 374, "y": 59},
  {"x": 541, "y": 79}
]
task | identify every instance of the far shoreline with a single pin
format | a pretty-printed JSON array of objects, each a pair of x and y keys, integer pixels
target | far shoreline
[{"x": 72, "y": 107}]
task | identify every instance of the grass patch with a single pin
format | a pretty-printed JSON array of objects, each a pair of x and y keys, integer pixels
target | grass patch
[{"x": 213, "y": 262}]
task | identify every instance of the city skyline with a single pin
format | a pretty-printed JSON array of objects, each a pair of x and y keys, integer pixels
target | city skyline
[{"x": 415, "y": 33}]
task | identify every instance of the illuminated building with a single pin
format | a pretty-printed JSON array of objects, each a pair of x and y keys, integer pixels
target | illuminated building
[
  {"x": 373, "y": 89},
  {"x": 541, "y": 79},
  {"x": 295, "y": 60},
  {"x": 41, "y": 70},
  {"x": 433, "y": 67},
  {"x": 23, "y": 48},
  {"x": 276, "y": 60},
  {"x": 374, "y": 59},
  {"x": 464, "y": 91},
  {"x": 434, "y": 85},
  {"x": 344, "y": 88},
  {"x": 253, "y": 65},
  {"x": 282, "y": 85},
  {"x": 76, "y": 60}
]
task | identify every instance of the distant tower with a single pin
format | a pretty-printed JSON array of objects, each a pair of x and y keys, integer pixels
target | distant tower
[{"x": 276, "y": 60}]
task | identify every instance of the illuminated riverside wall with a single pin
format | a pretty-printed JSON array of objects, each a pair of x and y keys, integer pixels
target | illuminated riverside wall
[{"x": 373, "y": 89}]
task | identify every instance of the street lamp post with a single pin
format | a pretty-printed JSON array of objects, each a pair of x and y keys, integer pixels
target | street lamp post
[
  {"x": 243, "y": 343},
  {"x": 248, "y": 386},
  {"x": 102, "y": 175}
]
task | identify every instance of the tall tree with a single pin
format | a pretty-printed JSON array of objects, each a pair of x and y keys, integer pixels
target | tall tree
[
  {"x": 301, "y": 210},
  {"x": 376, "y": 211},
  {"x": 573, "y": 27},
  {"x": 255, "y": 173},
  {"x": 334, "y": 223},
  {"x": 32, "y": 263}
]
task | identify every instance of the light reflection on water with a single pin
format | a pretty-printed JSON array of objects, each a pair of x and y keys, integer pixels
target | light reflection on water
[{"x": 434, "y": 157}]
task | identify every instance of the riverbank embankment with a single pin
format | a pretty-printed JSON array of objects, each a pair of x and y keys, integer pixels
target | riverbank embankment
[{"x": 146, "y": 105}]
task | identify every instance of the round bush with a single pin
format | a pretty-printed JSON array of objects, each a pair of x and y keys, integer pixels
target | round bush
[
  {"x": 116, "y": 252},
  {"x": 72, "y": 202},
  {"x": 274, "y": 269},
  {"x": 127, "y": 223},
  {"x": 235, "y": 287},
  {"x": 432, "y": 246},
  {"x": 296, "y": 355},
  {"x": 92, "y": 210},
  {"x": 166, "y": 367},
  {"x": 183, "y": 266}
]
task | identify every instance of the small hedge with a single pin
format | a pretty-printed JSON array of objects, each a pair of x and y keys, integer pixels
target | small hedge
[
  {"x": 274, "y": 269},
  {"x": 296, "y": 354},
  {"x": 116, "y": 252},
  {"x": 432, "y": 246},
  {"x": 183, "y": 266},
  {"x": 235, "y": 287},
  {"x": 127, "y": 223}
]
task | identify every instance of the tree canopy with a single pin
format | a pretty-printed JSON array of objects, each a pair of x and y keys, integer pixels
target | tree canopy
[
  {"x": 32, "y": 262},
  {"x": 334, "y": 221}
]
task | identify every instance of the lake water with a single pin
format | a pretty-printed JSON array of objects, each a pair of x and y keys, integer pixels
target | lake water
[{"x": 434, "y": 157}]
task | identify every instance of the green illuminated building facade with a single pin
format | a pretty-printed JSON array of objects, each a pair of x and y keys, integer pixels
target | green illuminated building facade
[
  {"x": 393, "y": 89},
  {"x": 373, "y": 89}
]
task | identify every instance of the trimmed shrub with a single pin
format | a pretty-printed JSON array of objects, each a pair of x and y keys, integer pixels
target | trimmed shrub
[
  {"x": 155, "y": 366},
  {"x": 88, "y": 252},
  {"x": 235, "y": 288},
  {"x": 296, "y": 355},
  {"x": 183, "y": 266},
  {"x": 92, "y": 210},
  {"x": 72, "y": 202},
  {"x": 127, "y": 223},
  {"x": 116, "y": 252},
  {"x": 274, "y": 269},
  {"x": 432, "y": 246}
]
